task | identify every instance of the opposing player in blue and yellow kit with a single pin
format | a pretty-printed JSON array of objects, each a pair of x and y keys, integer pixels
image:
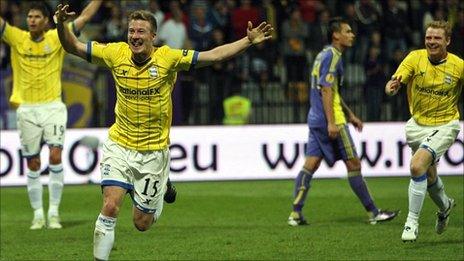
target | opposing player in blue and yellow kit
[
  {"x": 136, "y": 155},
  {"x": 434, "y": 80},
  {"x": 329, "y": 136},
  {"x": 36, "y": 59}
]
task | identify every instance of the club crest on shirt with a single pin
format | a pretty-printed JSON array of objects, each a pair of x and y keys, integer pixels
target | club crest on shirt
[
  {"x": 448, "y": 79},
  {"x": 47, "y": 48},
  {"x": 153, "y": 72},
  {"x": 329, "y": 78},
  {"x": 184, "y": 52}
]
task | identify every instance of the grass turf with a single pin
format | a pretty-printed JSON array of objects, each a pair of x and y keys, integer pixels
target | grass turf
[{"x": 243, "y": 220}]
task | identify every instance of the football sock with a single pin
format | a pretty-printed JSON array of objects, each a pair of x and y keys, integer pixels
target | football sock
[
  {"x": 103, "y": 237},
  {"x": 55, "y": 188},
  {"x": 34, "y": 190},
  {"x": 359, "y": 187},
  {"x": 437, "y": 193},
  {"x": 302, "y": 185},
  {"x": 416, "y": 192},
  {"x": 38, "y": 213}
]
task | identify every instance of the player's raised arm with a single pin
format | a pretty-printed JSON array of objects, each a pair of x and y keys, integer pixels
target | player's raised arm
[
  {"x": 254, "y": 36},
  {"x": 87, "y": 14},
  {"x": 68, "y": 40}
]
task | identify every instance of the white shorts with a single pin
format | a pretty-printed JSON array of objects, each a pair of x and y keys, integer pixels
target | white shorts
[
  {"x": 144, "y": 174},
  {"x": 436, "y": 139},
  {"x": 41, "y": 123}
]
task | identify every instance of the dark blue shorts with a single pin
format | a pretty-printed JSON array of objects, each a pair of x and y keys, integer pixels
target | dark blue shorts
[{"x": 319, "y": 145}]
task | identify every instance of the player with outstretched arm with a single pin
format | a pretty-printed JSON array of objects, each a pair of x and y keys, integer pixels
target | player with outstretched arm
[{"x": 136, "y": 155}]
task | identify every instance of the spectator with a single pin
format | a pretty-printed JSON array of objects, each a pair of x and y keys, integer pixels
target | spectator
[
  {"x": 395, "y": 28},
  {"x": 220, "y": 74},
  {"x": 373, "y": 87},
  {"x": 173, "y": 32},
  {"x": 368, "y": 13},
  {"x": 240, "y": 17},
  {"x": 294, "y": 37},
  {"x": 219, "y": 16},
  {"x": 318, "y": 32},
  {"x": 154, "y": 8},
  {"x": 457, "y": 35},
  {"x": 309, "y": 10},
  {"x": 175, "y": 5},
  {"x": 400, "y": 108},
  {"x": 350, "y": 16},
  {"x": 114, "y": 28},
  {"x": 261, "y": 61},
  {"x": 237, "y": 109},
  {"x": 200, "y": 29}
]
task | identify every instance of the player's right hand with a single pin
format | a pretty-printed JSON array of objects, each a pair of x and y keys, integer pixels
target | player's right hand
[
  {"x": 62, "y": 13},
  {"x": 393, "y": 85},
  {"x": 333, "y": 131}
]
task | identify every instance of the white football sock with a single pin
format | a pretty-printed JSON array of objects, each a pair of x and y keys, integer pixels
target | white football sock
[
  {"x": 34, "y": 190},
  {"x": 103, "y": 237},
  {"x": 416, "y": 193},
  {"x": 437, "y": 193},
  {"x": 55, "y": 188},
  {"x": 39, "y": 213}
]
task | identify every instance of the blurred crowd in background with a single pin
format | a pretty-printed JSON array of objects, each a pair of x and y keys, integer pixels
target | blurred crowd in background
[{"x": 274, "y": 76}]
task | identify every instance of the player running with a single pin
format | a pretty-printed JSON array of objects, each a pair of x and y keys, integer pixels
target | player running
[
  {"x": 136, "y": 156},
  {"x": 434, "y": 79}
]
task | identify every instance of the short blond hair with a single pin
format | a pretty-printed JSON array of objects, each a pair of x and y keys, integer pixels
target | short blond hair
[
  {"x": 144, "y": 15},
  {"x": 441, "y": 25}
]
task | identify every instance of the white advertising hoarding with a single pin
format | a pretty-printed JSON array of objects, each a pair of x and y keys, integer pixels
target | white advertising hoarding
[{"x": 235, "y": 153}]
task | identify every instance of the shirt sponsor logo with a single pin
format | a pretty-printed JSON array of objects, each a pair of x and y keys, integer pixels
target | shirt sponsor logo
[
  {"x": 139, "y": 94},
  {"x": 431, "y": 91},
  {"x": 146, "y": 92}
]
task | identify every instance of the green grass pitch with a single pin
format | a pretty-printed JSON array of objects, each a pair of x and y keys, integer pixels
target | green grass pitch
[{"x": 243, "y": 220}]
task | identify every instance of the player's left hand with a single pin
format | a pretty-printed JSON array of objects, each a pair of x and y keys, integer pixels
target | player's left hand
[
  {"x": 62, "y": 13},
  {"x": 357, "y": 123},
  {"x": 259, "y": 34}
]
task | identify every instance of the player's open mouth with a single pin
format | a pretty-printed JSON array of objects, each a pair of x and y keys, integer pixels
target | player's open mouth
[{"x": 136, "y": 43}]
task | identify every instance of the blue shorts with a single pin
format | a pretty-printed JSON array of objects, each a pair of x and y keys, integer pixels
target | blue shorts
[{"x": 320, "y": 145}]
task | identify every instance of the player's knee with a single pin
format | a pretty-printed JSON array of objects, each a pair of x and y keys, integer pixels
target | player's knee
[
  {"x": 311, "y": 164},
  {"x": 416, "y": 168},
  {"x": 110, "y": 208},
  {"x": 143, "y": 223},
  {"x": 33, "y": 164},
  {"x": 55, "y": 157}
]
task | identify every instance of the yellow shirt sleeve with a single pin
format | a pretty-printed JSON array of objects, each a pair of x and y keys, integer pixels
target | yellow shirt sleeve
[
  {"x": 406, "y": 68},
  {"x": 12, "y": 35},
  {"x": 183, "y": 59},
  {"x": 103, "y": 54}
]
